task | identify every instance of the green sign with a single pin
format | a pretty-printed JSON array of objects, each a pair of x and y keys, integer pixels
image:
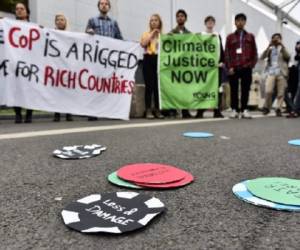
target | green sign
[
  {"x": 279, "y": 190},
  {"x": 188, "y": 71}
]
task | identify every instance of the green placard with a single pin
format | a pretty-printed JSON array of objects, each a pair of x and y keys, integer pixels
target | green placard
[
  {"x": 188, "y": 71},
  {"x": 276, "y": 189},
  {"x": 113, "y": 178}
]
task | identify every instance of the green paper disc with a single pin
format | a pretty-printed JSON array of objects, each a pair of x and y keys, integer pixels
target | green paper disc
[
  {"x": 280, "y": 190},
  {"x": 113, "y": 178}
]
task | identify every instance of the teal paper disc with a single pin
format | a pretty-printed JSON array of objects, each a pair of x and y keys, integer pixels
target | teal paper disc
[
  {"x": 276, "y": 189},
  {"x": 294, "y": 142},
  {"x": 113, "y": 178},
  {"x": 198, "y": 134}
]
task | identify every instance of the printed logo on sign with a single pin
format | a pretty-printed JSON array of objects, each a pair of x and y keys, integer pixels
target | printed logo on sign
[{"x": 204, "y": 96}]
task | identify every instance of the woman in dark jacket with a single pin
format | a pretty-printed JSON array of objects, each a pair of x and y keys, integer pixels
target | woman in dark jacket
[
  {"x": 293, "y": 95},
  {"x": 22, "y": 13}
]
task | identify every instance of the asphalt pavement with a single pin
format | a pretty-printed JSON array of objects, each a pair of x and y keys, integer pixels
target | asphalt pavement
[{"x": 35, "y": 186}]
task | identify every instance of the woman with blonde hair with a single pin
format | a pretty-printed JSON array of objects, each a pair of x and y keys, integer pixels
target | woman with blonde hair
[
  {"x": 61, "y": 24},
  {"x": 149, "y": 42}
]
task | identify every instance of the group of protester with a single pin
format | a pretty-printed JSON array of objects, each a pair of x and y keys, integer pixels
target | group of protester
[{"x": 237, "y": 59}]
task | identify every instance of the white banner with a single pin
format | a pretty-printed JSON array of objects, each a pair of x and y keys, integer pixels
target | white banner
[{"x": 66, "y": 72}]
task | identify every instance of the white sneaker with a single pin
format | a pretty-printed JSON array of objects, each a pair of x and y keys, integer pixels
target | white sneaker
[
  {"x": 234, "y": 114},
  {"x": 246, "y": 114}
]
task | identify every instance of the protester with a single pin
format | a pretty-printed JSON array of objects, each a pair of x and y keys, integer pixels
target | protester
[
  {"x": 277, "y": 72},
  {"x": 61, "y": 24},
  {"x": 149, "y": 42},
  {"x": 209, "y": 23},
  {"x": 103, "y": 25},
  {"x": 22, "y": 13},
  {"x": 181, "y": 18},
  {"x": 240, "y": 59},
  {"x": 294, "y": 82}
]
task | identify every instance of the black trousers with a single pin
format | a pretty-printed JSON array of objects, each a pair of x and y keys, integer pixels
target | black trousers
[
  {"x": 151, "y": 80},
  {"x": 245, "y": 75},
  {"x": 18, "y": 112}
]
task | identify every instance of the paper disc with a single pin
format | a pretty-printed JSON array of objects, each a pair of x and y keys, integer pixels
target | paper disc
[
  {"x": 150, "y": 173},
  {"x": 276, "y": 189}
]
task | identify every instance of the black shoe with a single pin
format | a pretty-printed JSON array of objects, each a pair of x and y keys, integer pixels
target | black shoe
[
  {"x": 265, "y": 111},
  {"x": 186, "y": 114},
  {"x": 92, "y": 119},
  {"x": 172, "y": 114},
  {"x": 28, "y": 118},
  {"x": 69, "y": 118},
  {"x": 158, "y": 115},
  {"x": 199, "y": 114},
  {"x": 218, "y": 114},
  {"x": 292, "y": 115},
  {"x": 56, "y": 117},
  {"x": 278, "y": 113},
  {"x": 18, "y": 119}
]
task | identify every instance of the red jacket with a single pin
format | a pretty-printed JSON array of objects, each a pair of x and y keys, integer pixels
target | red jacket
[{"x": 248, "y": 56}]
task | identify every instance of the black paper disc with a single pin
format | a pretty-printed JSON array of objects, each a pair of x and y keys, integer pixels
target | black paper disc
[
  {"x": 115, "y": 213},
  {"x": 79, "y": 151}
]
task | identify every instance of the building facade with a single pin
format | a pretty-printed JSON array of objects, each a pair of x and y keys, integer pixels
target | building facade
[{"x": 133, "y": 16}]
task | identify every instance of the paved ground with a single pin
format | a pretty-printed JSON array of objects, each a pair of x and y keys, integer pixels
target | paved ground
[{"x": 203, "y": 215}]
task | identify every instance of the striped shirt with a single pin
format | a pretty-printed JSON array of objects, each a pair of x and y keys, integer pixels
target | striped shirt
[{"x": 104, "y": 26}]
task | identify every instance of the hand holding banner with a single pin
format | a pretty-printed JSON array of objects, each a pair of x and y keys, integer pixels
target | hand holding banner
[{"x": 66, "y": 72}]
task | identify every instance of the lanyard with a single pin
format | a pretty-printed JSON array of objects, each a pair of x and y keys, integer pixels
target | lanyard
[{"x": 241, "y": 39}]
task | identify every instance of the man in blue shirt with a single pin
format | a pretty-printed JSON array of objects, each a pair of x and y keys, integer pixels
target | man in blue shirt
[{"x": 103, "y": 25}]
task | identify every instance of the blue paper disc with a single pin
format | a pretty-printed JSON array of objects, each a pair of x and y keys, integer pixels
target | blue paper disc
[
  {"x": 240, "y": 190},
  {"x": 295, "y": 142},
  {"x": 198, "y": 134}
]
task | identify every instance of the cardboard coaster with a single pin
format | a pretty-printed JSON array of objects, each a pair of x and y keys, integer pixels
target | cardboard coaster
[
  {"x": 240, "y": 190},
  {"x": 112, "y": 212},
  {"x": 198, "y": 134},
  {"x": 276, "y": 189},
  {"x": 150, "y": 173},
  {"x": 79, "y": 151},
  {"x": 187, "y": 180},
  {"x": 294, "y": 142},
  {"x": 113, "y": 178}
]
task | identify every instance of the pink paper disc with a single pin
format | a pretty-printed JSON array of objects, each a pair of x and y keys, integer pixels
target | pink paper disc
[
  {"x": 185, "y": 181},
  {"x": 151, "y": 173}
]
